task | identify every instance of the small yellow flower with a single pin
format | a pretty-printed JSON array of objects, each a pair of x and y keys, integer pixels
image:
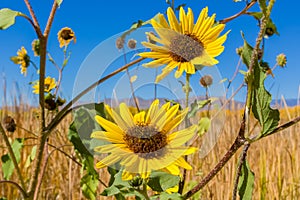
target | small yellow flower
[
  {"x": 146, "y": 141},
  {"x": 281, "y": 60},
  {"x": 65, "y": 36},
  {"x": 184, "y": 44},
  {"x": 49, "y": 85},
  {"x": 22, "y": 59}
]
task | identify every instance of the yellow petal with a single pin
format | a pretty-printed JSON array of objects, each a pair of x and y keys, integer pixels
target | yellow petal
[
  {"x": 157, "y": 62},
  {"x": 202, "y": 16},
  {"x": 190, "y": 19},
  {"x": 126, "y": 115},
  {"x": 152, "y": 110},
  {"x": 173, "y": 169},
  {"x": 108, "y": 125},
  {"x": 213, "y": 33},
  {"x": 181, "y": 137},
  {"x": 183, "y": 21},
  {"x": 173, "y": 20},
  {"x": 127, "y": 175},
  {"x": 206, "y": 25},
  {"x": 176, "y": 121},
  {"x": 112, "y": 137},
  {"x": 107, "y": 161},
  {"x": 167, "y": 70},
  {"x": 182, "y": 163},
  {"x": 156, "y": 48},
  {"x": 169, "y": 116},
  {"x": 139, "y": 118},
  {"x": 154, "y": 55}
]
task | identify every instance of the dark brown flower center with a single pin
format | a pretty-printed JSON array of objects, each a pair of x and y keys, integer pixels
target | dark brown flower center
[
  {"x": 146, "y": 141},
  {"x": 185, "y": 48},
  {"x": 67, "y": 34}
]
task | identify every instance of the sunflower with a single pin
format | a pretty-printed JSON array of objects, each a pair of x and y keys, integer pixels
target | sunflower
[
  {"x": 49, "y": 85},
  {"x": 146, "y": 141},
  {"x": 22, "y": 59},
  {"x": 184, "y": 44},
  {"x": 65, "y": 36}
]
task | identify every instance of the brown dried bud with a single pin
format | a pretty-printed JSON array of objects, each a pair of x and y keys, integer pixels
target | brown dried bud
[
  {"x": 120, "y": 43},
  {"x": 9, "y": 124},
  {"x": 239, "y": 51},
  {"x": 131, "y": 44},
  {"x": 206, "y": 81}
]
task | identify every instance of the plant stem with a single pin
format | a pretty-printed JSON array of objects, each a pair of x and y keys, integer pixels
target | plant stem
[
  {"x": 226, "y": 20},
  {"x": 187, "y": 92},
  {"x": 239, "y": 170},
  {"x": 13, "y": 157},
  {"x": 16, "y": 185},
  {"x": 239, "y": 141}
]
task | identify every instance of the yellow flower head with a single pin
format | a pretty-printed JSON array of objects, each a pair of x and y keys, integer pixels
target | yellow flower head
[
  {"x": 22, "y": 59},
  {"x": 184, "y": 44},
  {"x": 49, "y": 85},
  {"x": 146, "y": 141},
  {"x": 65, "y": 36}
]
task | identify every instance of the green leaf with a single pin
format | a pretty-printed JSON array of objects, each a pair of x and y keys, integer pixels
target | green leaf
[
  {"x": 197, "y": 105},
  {"x": 167, "y": 196},
  {"x": 271, "y": 28},
  {"x": 135, "y": 26},
  {"x": 263, "y": 6},
  {"x": 246, "y": 182},
  {"x": 7, "y": 18},
  {"x": 203, "y": 125},
  {"x": 59, "y": 2},
  {"x": 161, "y": 181},
  {"x": 89, "y": 184},
  {"x": 261, "y": 98},
  {"x": 31, "y": 157},
  {"x": 7, "y": 164},
  {"x": 84, "y": 123}
]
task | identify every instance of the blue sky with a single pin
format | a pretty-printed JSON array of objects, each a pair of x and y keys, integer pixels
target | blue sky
[{"x": 95, "y": 21}]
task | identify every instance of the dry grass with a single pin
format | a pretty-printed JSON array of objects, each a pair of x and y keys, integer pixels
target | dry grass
[{"x": 274, "y": 160}]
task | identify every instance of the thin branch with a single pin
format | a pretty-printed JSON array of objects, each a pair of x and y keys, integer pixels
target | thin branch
[
  {"x": 35, "y": 21},
  {"x": 16, "y": 185},
  {"x": 226, "y": 20},
  {"x": 36, "y": 28},
  {"x": 239, "y": 141},
  {"x": 50, "y": 19},
  {"x": 13, "y": 157},
  {"x": 239, "y": 170},
  {"x": 65, "y": 110}
]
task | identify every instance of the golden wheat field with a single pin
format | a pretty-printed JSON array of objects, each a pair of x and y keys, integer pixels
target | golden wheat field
[{"x": 274, "y": 160}]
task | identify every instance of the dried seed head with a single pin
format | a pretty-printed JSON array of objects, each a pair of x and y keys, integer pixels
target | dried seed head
[
  {"x": 281, "y": 60},
  {"x": 131, "y": 44},
  {"x": 120, "y": 43},
  {"x": 206, "y": 81},
  {"x": 239, "y": 51},
  {"x": 9, "y": 124},
  {"x": 36, "y": 47}
]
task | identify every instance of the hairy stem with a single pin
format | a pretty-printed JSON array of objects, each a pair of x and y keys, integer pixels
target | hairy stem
[
  {"x": 16, "y": 185},
  {"x": 13, "y": 157},
  {"x": 239, "y": 170}
]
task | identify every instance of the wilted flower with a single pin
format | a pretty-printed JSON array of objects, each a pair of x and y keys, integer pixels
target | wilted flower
[
  {"x": 22, "y": 59},
  {"x": 206, "y": 80},
  {"x": 9, "y": 124},
  {"x": 131, "y": 44},
  {"x": 65, "y": 36},
  {"x": 120, "y": 43}
]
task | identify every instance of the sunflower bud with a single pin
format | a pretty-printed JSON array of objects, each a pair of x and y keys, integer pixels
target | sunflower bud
[
  {"x": 9, "y": 124},
  {"x": 281, "y": 60},
  {"x": 36, "y": 47},
  {"x": 120, "y": 43},
  {"x": 239, "y": 51},
  {"x": 206, "y": 81},
  {"x": 131, "y": 44},
  {"x": 136, "y": 181},
  {"x": 65, "y": 36}
]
